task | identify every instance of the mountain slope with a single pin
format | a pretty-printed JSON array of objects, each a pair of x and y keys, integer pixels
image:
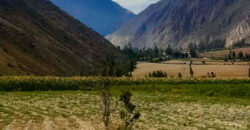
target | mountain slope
[
  {"x": 38, "y": 38},
  {"x": 104, "y": 16},
  {"x": 179, "y": 22}
]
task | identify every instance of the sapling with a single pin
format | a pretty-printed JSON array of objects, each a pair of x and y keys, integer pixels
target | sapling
[{"x": 106, "y": 100}]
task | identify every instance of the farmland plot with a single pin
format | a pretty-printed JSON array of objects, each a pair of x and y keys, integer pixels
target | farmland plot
[{"x": 81, "y": 110}]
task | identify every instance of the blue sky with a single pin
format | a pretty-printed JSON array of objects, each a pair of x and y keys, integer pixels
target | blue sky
[{"x": 135, "y": 6}]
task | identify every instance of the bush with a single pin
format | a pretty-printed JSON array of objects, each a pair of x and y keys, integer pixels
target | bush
[
  {"x": 128, "y": 114},
  {"x": 180, "y": 75},
  {"x": 158, "y": 74}
]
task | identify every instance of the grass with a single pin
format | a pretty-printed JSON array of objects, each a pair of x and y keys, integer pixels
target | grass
[
  {"x": 206, "y": 87},
  {"x": 81, "y": 110},
  {"x": 75, "y": 103}
]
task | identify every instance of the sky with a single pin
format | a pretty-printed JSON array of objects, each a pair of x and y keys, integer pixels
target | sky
[{"x": 135, "y": 6}]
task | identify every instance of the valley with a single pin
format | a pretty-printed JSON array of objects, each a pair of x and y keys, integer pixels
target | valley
[{"x": 94, "y": 65}]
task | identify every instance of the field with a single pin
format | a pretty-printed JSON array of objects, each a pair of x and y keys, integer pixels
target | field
[
  {"x": 221, "y": 69},
  {"x": 75, "y": 103}
]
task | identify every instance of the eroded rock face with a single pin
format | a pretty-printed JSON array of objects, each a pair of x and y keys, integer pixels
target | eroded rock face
[
  {"x": 241, "y": 31},
  {"x": 179, "y": 22}
]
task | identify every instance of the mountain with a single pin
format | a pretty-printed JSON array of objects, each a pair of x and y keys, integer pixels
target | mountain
[
  {"x": 38, "y": 38},
  {"x": 104, "y": 16},
  {"x": 179, "y": 22}
]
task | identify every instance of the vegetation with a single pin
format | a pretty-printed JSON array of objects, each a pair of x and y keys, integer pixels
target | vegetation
[
  {"x": 213, "y": 45},
  {"x": 232, "y": 88},
  {"x": 106, "y": 100},
  {"x": 158, "y": 74},
  {"x": 240, "y": 44},
  {"x": 78, "y": 105},
  {"x": 128, "y": 114}
]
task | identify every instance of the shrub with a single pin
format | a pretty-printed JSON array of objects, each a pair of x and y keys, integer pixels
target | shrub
[
  {"x": 128, "y": 114},
  {"x": 213, "y": 75},
  {"x": 158, "y": 74},
  {"x": 180, "y": 75}
]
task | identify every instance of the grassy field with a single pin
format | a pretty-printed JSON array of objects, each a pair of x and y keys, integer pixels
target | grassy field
[
  {"x": 221, "y": 69},
  {"x": 75, "y": 103}
]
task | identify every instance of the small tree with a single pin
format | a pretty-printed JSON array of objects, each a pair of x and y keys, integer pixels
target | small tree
[
  {"x": 106, "y": 98},
  {"x": 169, "y": 50},
  {"x": 192, "y": 49},
  {"x": 128, "y": 115},
  {"x": 191, "y": 70}
]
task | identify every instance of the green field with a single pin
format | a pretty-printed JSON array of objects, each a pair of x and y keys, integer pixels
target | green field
[{"x": 75, "y": 103}]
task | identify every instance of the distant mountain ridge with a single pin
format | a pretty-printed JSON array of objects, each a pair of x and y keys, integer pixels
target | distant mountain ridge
[
  {"x": 104, "y": 16},
  {"x": 38, "y": 38},
  {"x": 179, "y": 22}
]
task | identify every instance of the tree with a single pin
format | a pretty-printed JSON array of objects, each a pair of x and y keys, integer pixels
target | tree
[
  {"x": 240, "y": 55},
  {"x": 234, "y": 55},
  {"x": 240, "y": 44},
  {"x": 202, "y": 46},
  {"x": 192, "y": 49},
  {"x": 128, "y": 50},
  {"x": 169, "y": 50},
  {"x": 131, "y": 67},
  {"x": 156, "y": 52}
]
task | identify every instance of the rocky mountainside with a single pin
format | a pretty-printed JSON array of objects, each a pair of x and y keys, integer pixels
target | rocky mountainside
[
  {"x": 36, "y": 37},
  {"x": 179, "y": 22},
  {"x": 104, "y": 16}
]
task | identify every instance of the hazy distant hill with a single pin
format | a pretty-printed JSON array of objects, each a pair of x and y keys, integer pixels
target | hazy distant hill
[
  {"x": 38, "y": 38},
  {"x": 179, "y": 22},
  {"x": 104, "y": 16}
]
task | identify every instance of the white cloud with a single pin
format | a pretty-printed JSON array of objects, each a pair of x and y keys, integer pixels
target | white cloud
[{"x": 135, "y": 6}]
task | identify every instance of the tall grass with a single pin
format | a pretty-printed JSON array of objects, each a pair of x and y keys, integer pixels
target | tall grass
[{"x": 208, "y": 87}]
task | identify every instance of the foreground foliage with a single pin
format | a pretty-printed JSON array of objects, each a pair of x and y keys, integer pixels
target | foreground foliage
[{"x": 207, "y": 87}]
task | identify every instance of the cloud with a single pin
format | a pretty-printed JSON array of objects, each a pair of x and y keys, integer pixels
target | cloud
[{"x": 135, "y": 6}]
